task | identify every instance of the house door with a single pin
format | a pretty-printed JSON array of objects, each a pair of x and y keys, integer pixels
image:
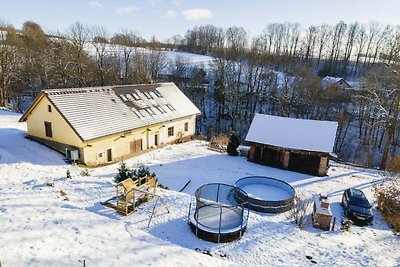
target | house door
[
  {"x": 156, "y": 139},
  {"x": 136, "y": 146},
  {"x": 109, "y": 155}
]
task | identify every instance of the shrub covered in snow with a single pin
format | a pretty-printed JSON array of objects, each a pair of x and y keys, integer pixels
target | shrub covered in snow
[
  {"x": 388, "y": 197},
  {"x": 233, "y": 144}
]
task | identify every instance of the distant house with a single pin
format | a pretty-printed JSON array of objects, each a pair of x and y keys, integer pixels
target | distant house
[
  {"x": 105, "y": 124},
  {"x": 294, "y": 144},
  {"x": 335, "y": 82}
]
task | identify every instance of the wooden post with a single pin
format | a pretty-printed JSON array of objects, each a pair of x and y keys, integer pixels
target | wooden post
[
  {"x": 323, "y": 163},
  {"x": 286, "y": 157},
  {"x": 334, "y": 223},
  {"x": 251, "y": 152}
]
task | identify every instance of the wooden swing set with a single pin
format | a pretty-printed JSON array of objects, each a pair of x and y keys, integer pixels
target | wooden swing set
[{"x": 130, "y": 194}]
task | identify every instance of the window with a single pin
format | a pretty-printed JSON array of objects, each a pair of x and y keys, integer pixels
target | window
[
  {"x": 170, "y": 131},
  {"x": 150, "y": 111},
  {"x": 48, "y": 108},
  {"x": 160, "y": 109},
  {"x": 100, "y": 155},
  {"x": 157, "y": 93},
  {"x": 137, "y": 113},
  {"x": 123, "y": 98},
  {"x": 47, "y": 128},
  {"x": 135, "y": 96},
  {"x": 170, "y": 107},
  {"x": 147, "y": 95},
  {"x": 186, "y": 126}
]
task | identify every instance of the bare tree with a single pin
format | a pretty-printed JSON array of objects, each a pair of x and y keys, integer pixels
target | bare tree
[
  {"x": 373, "y": 32},
  {"x": 125, "y": 48},
  {"x": 79, "y": 35},
  {"x": 361, "y": 39},
  {"x": 310, "y": 41},
  {"x": 384, "y": 94},
  {"x": 8, "y": 55},
  {"x": 324, "y": 33},
  {"x": 350, "y": 40}
]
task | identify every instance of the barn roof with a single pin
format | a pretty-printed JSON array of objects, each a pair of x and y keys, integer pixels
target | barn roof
[
  {"x": 309, "y": 135},
  {"x": 94, "y": 112}
]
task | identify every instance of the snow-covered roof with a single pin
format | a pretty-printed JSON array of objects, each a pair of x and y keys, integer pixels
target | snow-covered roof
[
  {"x": 309, "y": 135},
  {"x": 330, "y": 80},
  {"x": 99, "y": 111}
]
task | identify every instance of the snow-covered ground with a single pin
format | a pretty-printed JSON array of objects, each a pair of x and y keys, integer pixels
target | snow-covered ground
[{"x": 64, "y": 224}]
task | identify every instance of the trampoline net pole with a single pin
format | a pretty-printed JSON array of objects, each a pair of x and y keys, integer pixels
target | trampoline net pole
[
  {"x": 196, "y": 215},
  {"x": 247, "y": 217},
  {"x": 220, "y": 221},
  {"x": 241, "y": 223},
  {"x": 217, "y": 193},
  {"x": 190, "y": 207}
]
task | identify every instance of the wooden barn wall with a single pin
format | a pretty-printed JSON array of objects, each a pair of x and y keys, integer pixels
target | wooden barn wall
[{"x": 309, "y": 162}]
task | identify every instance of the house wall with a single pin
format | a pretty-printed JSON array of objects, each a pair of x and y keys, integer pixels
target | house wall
[
  {"x": 120, "y": 144},
  {"x": 62, "y": 132}
]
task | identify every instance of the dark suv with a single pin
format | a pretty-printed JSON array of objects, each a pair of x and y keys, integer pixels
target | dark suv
[{"x": 356, "y": 206}]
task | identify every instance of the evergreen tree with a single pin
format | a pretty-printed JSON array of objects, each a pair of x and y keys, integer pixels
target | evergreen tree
[
  {"x": 142, "y": 171},
  {"x": 123, "y": 173},
  {"x": 233, "y": 144}
]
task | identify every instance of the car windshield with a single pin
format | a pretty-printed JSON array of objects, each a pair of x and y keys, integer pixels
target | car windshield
[
  {"x": 358, "y": 209},
  {"x": 358, "y": 201}
]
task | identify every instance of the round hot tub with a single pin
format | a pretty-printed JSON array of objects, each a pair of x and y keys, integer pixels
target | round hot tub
[
  {"x": 265, "y": 194},
  {"x": 218, "y": 214}
]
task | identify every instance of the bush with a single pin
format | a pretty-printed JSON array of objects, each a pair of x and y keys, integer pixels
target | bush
[
  {"x": 219, "y": 142},
  {"x": 233, "y": 144},
  {"x": 179, "y": 137},
  {"x": 388, "y": 198},
  {"x": 394, "y": 165},
  {"x": 142, "y": 171},
  {"x": 346, "y": 224},
  {"x": 300, "y": 211},
  {"x": 125, "y": 172},
  {"x": 85, "y": 172}
]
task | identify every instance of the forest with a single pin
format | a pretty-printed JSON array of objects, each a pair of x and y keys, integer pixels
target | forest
[{"x": 278, "y": 72}]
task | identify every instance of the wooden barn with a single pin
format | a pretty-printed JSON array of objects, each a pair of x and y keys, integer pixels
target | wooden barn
[{"x": 294, "y": 144}]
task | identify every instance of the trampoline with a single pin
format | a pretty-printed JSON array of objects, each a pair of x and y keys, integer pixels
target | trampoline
[
  {"x": 218, "y": 213},
  {"x": 266, "y": 194}
]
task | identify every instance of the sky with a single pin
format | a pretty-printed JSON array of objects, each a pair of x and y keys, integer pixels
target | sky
[{"x": 166, "y": 18}]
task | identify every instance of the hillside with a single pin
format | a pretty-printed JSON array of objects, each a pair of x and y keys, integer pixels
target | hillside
[{"x": 40, "y": 226}]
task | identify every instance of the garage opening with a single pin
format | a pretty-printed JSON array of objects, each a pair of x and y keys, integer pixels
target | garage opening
[{"x": 304, "y": 163}]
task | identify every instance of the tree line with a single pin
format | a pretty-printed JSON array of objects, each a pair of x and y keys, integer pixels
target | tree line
[
  {"x": 338, "y": 50},
  {"x": 277, "y": 73}
]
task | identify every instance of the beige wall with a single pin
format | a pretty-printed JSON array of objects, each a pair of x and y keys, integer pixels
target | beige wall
[
  {"x": 62, "y": 132},
  {"x": 120, "y": 143}
]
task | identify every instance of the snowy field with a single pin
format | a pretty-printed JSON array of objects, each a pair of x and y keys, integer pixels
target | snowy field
[{"x": 64, "y": 224}]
